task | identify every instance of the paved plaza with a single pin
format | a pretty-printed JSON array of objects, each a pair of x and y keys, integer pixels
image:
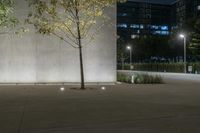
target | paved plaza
[{"x": 173, "y": 107}]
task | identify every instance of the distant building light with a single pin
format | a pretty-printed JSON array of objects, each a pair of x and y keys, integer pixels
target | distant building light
[
  {"x": 198, "y": 7},
  {"x": 174, "y": 27},
  {"x": 135, "y": 26},
  {"x": 158, "y": 32},
  {"x": 134, "y": 36},
  {"x": 165, "y": 32},
  {"x": 122, "y": 14},
  {"x": 122, "y": 26},
  {"x": 164, "y": 28},
  {"x": 118, "y": 36},
  {"x": 141, "y": 26},
  {"x": 155, "y": 27}
]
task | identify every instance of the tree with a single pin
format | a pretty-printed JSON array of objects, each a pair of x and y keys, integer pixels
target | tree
[
  {"x": 7, "y": 19},
  {"x": 74, "y": 21}
]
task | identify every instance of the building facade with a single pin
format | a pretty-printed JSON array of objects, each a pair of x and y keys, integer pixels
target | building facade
[
  {"x": 136, "y": 19},
  {"x": 142, "y": 18},
  {"x": 185, "y": 10}
]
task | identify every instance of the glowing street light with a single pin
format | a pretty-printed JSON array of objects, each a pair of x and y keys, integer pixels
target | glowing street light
[
  {"x": 182, "y": 36},
  {"x": 130, "y": 49},
  {"x": 185, "y": 56}
]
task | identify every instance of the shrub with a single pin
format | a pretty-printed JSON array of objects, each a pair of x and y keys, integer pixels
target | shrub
[
  {"x": 140, "y": 79},
  {"x": 147, "y": 79},
  {"x": 123, "y": 78}
]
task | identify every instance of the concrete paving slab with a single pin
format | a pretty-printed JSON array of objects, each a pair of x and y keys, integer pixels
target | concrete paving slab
[{"x": 165, "y": 108}]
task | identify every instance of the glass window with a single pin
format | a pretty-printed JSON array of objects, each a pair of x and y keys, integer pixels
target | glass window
[
  {"x": 198, "y": 7},
  {"x": 174, "y": 27},
  {"x": 148, "y": 16},
  {"x": 122, "y": 14},
  {"x": 141, "y": 26},
  {"x": 134, "y": 36},
  {"x": 122, "y": 25},
  {"x": 135, "y": 26},
  {"x": 155, "y": 27},
  {"x": 164, "y": 32},
  {"x": 158, "y": 32},
  {"x": 164, "y": 28}
]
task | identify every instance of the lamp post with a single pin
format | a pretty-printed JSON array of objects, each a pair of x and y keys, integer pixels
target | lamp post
[
  {"x": 185, "y": 56},
  {"x": 130, "y": 49}
]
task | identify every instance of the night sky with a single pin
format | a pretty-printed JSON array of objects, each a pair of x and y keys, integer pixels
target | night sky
[{"x": 157, "y": 1}]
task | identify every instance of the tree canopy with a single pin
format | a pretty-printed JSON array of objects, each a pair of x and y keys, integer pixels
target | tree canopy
[
  {"x": 63, "y": 18},
  {"x": 7, "y": 19}
]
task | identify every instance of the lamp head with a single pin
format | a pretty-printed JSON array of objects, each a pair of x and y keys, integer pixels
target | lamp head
[
  {"x": 128, "y": 47},
  {"x": 182, "y": 36}
]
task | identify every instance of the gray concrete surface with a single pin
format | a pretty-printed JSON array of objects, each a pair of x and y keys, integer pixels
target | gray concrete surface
[
  {"x": 33, "y": 58},
  {"x": 166, "y": 108}
]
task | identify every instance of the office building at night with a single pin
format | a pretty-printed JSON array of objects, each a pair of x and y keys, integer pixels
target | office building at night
[
  {"x": 136, "y": 19},
  {"x": 141, "y": 18},
  {"x": 185, "y": 10}
]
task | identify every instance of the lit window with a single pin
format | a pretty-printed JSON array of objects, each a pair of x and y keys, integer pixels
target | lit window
[
  {"x": 122, "y": 14},
  {"x": 141, "y": 26},
  {"x": 160, "y": 32},
  {"x": 164, "y": 28},
  {"x": 157, "y": 32},
  {"x": 164, "y": 32},
  {"x": 174, "y": 27},
  {"x": 134, "y": 36},
  {"x": 154, "y": 27},
  {"x": 122, "y": 26},
  {"x": 198, "y": 7},
  {"x": 135, "y": 26}
]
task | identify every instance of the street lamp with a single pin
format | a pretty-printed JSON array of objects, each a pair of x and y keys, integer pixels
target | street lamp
[
  {"x": 185, "y": 59},
  {"x": 130, "y": 49}
]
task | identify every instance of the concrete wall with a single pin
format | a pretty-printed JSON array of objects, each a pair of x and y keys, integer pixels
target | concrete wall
[{"x": 34, "y": 58}]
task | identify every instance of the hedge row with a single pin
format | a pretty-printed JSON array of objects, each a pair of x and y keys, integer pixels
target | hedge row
[
  {"x": 162, "y": 67},
  {"x": 140, "y": 79}
]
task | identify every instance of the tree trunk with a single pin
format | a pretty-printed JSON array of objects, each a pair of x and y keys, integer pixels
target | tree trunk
[
  {"x": 81, "y": 60},
  {"x": 80, "y": 47},
  {"x": 80, "y": 57},
  {"x": 81, "y": 68}
]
